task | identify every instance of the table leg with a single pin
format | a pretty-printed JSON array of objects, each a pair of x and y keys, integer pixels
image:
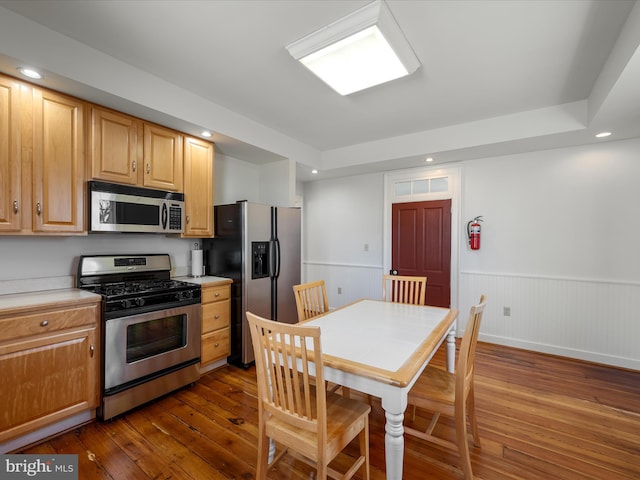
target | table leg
[
  {"x": 451, "y": 349},
  {"x": 394, "y": 444}
]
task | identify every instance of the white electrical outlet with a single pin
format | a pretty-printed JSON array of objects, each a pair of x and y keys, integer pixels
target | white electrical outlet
[
  {"x": 366, "y": 247},
  {"x": 339, "y": 290},
  {"x": 506, "y": 311}
]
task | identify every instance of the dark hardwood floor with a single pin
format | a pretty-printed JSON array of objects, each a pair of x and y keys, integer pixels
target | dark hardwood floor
[{"x": 540, "y": 417}]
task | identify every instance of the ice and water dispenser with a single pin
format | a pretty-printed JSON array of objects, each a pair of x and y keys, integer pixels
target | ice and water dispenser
[{"x": 260, "y": 259}]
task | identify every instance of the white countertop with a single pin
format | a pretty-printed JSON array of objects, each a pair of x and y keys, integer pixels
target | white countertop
[
  {"x": 23, "y": 301},
  {"x": 204, "y": 279}
]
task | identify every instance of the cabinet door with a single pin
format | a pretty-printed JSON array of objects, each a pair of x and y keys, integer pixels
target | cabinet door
[
  {"x": 10, "y": 207},
  {"x": 46, "y": 379},
  {"x": 58, "y": 163},
  {"x": 114, "y": 147},
  {"x": 162, "y": 158},
  {"x": 198, "y": 188}
]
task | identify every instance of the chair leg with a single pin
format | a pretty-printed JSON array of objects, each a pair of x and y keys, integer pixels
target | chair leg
[
  {"x": 364, "y": 450},
  {"x": 463, "y": 444},
  {"x": 263, "y": 455},
  {"x": 471, "y": 407}
]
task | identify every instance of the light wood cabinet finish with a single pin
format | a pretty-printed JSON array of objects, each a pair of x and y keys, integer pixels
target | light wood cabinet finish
[
  {"x": 49, "y": 365},
  {"x": 162, "y": 156},
  {"x": 42, "y": 160},
  {"x": 198, "y": 187},
  {"x": 58, "y": 163},
  {"x": 216, "y": 315},
  {"x": 114, "y": 147},
  {"x": 127, "y": 150},
  {"x": 10, "y": 201}
]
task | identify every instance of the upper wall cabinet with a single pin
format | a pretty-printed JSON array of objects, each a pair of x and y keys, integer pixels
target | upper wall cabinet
[
  {"x": 198, "y": 188},
  {"x": 10, "y": 201},
  {"x": 124, "y": 149},
  {"x": 58, "y": 163},
  {"x": 41, "y": 160}
]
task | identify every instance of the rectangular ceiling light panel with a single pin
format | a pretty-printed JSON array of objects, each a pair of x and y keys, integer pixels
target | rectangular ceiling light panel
[{"x": 361, "y": 50}]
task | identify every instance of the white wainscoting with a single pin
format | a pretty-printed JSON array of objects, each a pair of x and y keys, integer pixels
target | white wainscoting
[
  {"x": 591, "y": 320},
  {"x": 355, "y": 281}
]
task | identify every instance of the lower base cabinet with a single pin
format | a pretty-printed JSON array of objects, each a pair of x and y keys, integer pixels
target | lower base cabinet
[
  {"x": 216, "y": 327},
  {"x": 49, "y": 367}
]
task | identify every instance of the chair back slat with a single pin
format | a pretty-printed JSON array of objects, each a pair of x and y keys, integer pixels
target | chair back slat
[
  {"x": 404, "y": 289},
  {"x": 311, "y": 299}
]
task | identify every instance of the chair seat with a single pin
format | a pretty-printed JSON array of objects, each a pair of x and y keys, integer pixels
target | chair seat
[
  {"x": 344, "y": 416},
  {"x": 434, "y": 389}
]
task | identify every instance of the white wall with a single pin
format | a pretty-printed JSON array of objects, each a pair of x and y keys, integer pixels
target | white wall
[
  {"x": 39, "y": 257},
  {"x": 340, "y": 216},
  {"x": 270, "y": 183},
  {"x": 557, "y": 247}
]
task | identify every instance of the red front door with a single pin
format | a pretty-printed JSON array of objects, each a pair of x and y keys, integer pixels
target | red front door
[{"x": 421, "y": 245}]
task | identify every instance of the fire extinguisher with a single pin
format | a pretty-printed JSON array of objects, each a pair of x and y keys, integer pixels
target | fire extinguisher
[{"x": 473, "y": 232}]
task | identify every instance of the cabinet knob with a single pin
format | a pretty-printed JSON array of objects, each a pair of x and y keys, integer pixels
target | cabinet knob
[
  {"x": 148, "y": 168},
  {"x": 187, "y": 218},
  {"x": 134, "y": 165},
  {"x": 216, "y": 316},
  {"x": 217, "y": 294},
  {"x": 44, "y": 323},
  {"x": 216, "y": 345},
  {"x": 15, "y": 206},
  {"x": 91, "y": 350},
  {"x": 38, "y": 208}
]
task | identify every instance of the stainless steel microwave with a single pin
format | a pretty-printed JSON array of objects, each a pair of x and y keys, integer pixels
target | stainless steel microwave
[{"x": 122, "y": 208}]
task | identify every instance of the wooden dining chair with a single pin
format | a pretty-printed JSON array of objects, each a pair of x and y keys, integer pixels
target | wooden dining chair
[
  {"x": 404, "y": 289},
  {"x": 451, "y": 394},
  {"x": 311, "y": 299},
  {"x": 303, "y": 419}
]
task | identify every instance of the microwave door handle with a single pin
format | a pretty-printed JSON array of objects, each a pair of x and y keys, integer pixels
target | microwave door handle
[{"x": 164, "y": 216}]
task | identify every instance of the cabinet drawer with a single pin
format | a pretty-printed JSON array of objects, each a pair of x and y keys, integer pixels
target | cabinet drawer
[
  {"x": 215, "y": 346},
  {"x": 46, "y": 322},
  {"x": 215, "y": 316},
  {"x": 214, "y": 294}
]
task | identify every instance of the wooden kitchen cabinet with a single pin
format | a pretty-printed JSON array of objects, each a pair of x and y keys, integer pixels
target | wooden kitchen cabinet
[
  {"x": 42, "y": 160},
  {"x": 216, "y": 322},
  {"x": 10, "y": 155},
  {"x": 127, "y": 150},
  {"x": 113, "y": 148},
  {"x": 198, "y": 188},
  {"x": 49, "y": 365},
  {"x": 58, "y": 163}
]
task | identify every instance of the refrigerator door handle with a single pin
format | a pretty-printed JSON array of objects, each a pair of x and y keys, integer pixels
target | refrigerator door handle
[{"x": 275, "y": 271}]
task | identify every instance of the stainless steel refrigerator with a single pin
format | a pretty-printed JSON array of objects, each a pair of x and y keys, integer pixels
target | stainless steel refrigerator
[{"x": 258, "y": 247}]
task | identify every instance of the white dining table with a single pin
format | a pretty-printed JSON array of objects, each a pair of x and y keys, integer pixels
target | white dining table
[{"x": 381, "y": 348}]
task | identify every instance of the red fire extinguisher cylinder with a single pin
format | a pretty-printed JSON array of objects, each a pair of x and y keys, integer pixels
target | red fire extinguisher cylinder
[{"x": 473, "y": 233}]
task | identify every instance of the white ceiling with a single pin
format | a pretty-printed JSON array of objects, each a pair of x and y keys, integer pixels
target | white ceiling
[{"x": 497, "y": 76}]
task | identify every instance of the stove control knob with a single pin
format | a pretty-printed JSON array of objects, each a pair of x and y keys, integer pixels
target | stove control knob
[
  {"x": 140, "y": 302},
  {"x": 179, "y": 296},
  {"x": 125, "y": 303},
  {"x": 188, "y": 294}
]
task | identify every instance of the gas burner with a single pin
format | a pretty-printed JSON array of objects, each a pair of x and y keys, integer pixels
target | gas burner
[{"x": 134, "y": 284}]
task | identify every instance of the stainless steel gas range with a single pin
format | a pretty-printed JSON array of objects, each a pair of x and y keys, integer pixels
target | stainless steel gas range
[{"x": 150, "y": 328}]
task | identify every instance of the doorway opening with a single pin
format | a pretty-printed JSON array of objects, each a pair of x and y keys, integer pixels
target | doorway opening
[{"x": 415, "y": 186}]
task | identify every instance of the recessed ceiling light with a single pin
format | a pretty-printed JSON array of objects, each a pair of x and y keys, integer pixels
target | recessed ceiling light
[
  {"x": 603, "y": 134},
  {"x": 428, "y": 159},
  {"x": 314, "y": 171},
  {"x": 30, "y": 72},
  {"x": 206, "y": 133},
  {"x": 363, "y": 49}
]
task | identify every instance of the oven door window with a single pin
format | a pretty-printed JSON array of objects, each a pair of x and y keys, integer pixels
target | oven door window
[{"x": 154, "y": 337}]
